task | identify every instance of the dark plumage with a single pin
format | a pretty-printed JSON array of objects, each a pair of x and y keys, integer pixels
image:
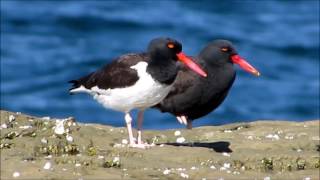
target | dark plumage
[
  {"x": 136, "y": 81},
  {"x": 117, "y": 74},
  {"x": 193, "y": 97}
]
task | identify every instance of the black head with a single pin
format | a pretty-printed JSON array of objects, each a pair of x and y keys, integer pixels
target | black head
[
  {"x": 164, "y": 48},
  {"x": 218, "y": 52},
  {"x": 221, "y": 52}
]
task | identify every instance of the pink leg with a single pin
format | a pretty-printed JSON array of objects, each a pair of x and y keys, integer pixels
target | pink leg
[
  {"x": 184, "y": 120},
  {"x": 128, "y": 119},
  {"x": 140, "y": 121},
  {"x": 189, "y": 124},
  {"x": 179, "y": 119}
]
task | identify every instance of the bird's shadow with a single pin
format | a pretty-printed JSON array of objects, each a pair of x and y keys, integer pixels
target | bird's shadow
[{"x": 220, "y": 146}]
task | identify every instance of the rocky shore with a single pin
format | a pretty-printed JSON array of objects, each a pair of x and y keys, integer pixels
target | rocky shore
[{"x": 49, "y": 148}]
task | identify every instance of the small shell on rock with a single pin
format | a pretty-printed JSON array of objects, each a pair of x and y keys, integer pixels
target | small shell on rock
[
  {"x": 46, "y": 118},
  {"x": 177, "y": 133},
  {"x": 47, "y": 166},
  {"x": 16, "y": 174},
  {"x": 227, "y": 165},
  {"x": 124, "y": 141},
  {"x": 116, "y": 159},
  {"x": 69, "y": 138},
  {"x": 273, "y": 136},
  {"x": 11, "y": 118},
  {"x": 184, "y": 175},
  {"x": 226, "y": 154},
  {"x": 4, "y": 126},
  {"x": 180, "y": 140},
  {"x": 59, "y": 129},
  {"x": 166, "y": 171},
  {"x": 44, "y": 141},
  {"x": 25, "y": 127}
]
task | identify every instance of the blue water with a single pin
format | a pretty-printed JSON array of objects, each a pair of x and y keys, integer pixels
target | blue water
[{"x": 46, "y": 43}]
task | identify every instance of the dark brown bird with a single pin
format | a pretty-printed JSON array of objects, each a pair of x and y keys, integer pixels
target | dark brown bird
[{"x": 193, "y": 97}]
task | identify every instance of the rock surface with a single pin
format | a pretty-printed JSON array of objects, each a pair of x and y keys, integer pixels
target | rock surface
[{"x": 44, "y": 148}]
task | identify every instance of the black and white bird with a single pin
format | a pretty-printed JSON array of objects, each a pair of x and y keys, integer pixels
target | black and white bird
[
  {"x": 192, "y": 97},
  {"x": 136, "y": 81}
]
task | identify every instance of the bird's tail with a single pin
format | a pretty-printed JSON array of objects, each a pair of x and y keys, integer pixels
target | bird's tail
[{"x": 75, "y": 86}]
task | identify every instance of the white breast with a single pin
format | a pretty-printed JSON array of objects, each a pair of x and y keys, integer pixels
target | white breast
[{"x": 144, "y": 93}]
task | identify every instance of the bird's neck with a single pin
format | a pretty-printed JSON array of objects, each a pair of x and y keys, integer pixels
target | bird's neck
[{"x": 162, "y": 69}]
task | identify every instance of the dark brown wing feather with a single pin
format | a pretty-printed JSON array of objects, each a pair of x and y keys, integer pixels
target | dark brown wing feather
[{"x": 117, "y": 74}]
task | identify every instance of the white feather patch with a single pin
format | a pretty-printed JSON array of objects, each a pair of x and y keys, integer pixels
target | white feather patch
[{"x": 145, "y": 93}]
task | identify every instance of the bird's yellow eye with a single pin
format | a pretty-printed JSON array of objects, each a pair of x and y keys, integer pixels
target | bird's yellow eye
[
  {"x": 224, "y": 49},
  {"x": 170, "y": 45}
]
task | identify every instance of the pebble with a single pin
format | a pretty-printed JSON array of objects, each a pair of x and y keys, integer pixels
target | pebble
[
  {"x": 250, "y": 137},
  {"x": 11, "y": 118},
  {"x": 307, "y": 178},
  {"x": 183, "y": 175},
  {"x": 227, "y": 165},
  {"x": 4, "y": 126},
  {"x": 299, "y": 150},
  {"x": 181, "y": 169},
  {"x": 227, "y": 131},
  {"x": 166, "y": 172},
  {"x": 69, "y": 138},
  {"x": 273, "y": 136},
  {"x": 124, "y": 141},
  {"x": 59, "y": 129},
  {"x": 116, "y": 159},
  {"x": 223, "y": 168},
  {"x": 161, "y": 145},
  {"x": 48, "y": 157},
  {"x": 44, "y": 141},
  {"x": 180, "y": 140},
  {"x": 46, "y": 118},
  {"x": 226, "y": 154},
  {"x": 16, "y": 174},
  {"x": 290, "y": 137},
  {"x": 267, "y": 178},
  {"x": 25, "y": 127},
  {"x": 236, "y": 172},
  {"x": 47, "y": 166},
  {"x": 77, "y": 164},
  {"x": 100, "y": 157},
  {"x": 213, "y": 167},
  {"x": 177, "y": 133}
]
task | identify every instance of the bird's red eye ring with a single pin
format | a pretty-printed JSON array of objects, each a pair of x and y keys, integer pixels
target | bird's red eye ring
[
  {"x": 224, "y": 49},
  {"x": 170, "y": 45}
]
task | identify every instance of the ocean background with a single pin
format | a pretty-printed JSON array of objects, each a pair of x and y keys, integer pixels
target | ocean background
[{"x": 46, "y": 43}]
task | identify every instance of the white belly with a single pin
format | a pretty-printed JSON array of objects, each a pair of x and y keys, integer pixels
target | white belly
[{"x": 145, "y": 93}]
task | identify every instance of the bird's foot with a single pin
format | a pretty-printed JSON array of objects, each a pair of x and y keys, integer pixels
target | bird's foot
[
  {"x": 182, "y": 119},
  {"x": 140, "y": 145}
]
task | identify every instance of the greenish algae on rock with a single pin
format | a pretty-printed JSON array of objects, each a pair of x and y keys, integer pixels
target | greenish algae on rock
[{"x": 34, "y": 148}]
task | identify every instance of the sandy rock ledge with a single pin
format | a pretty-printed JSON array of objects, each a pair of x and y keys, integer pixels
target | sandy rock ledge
[{"x": 48, "y": 148}]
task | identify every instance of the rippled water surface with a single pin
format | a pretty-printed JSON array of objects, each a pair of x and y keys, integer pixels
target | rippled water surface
[{"x": 46, "y": 43}]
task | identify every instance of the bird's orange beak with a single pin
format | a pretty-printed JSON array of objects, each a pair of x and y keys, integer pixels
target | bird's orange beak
[
  {"x": 191, "y": 64},
  {"x": 244, "y": 65}
]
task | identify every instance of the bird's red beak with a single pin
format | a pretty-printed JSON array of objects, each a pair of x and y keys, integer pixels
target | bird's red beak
[
  {"x": 244, "y": 64},
  {"x": 191, "y": 64}
]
